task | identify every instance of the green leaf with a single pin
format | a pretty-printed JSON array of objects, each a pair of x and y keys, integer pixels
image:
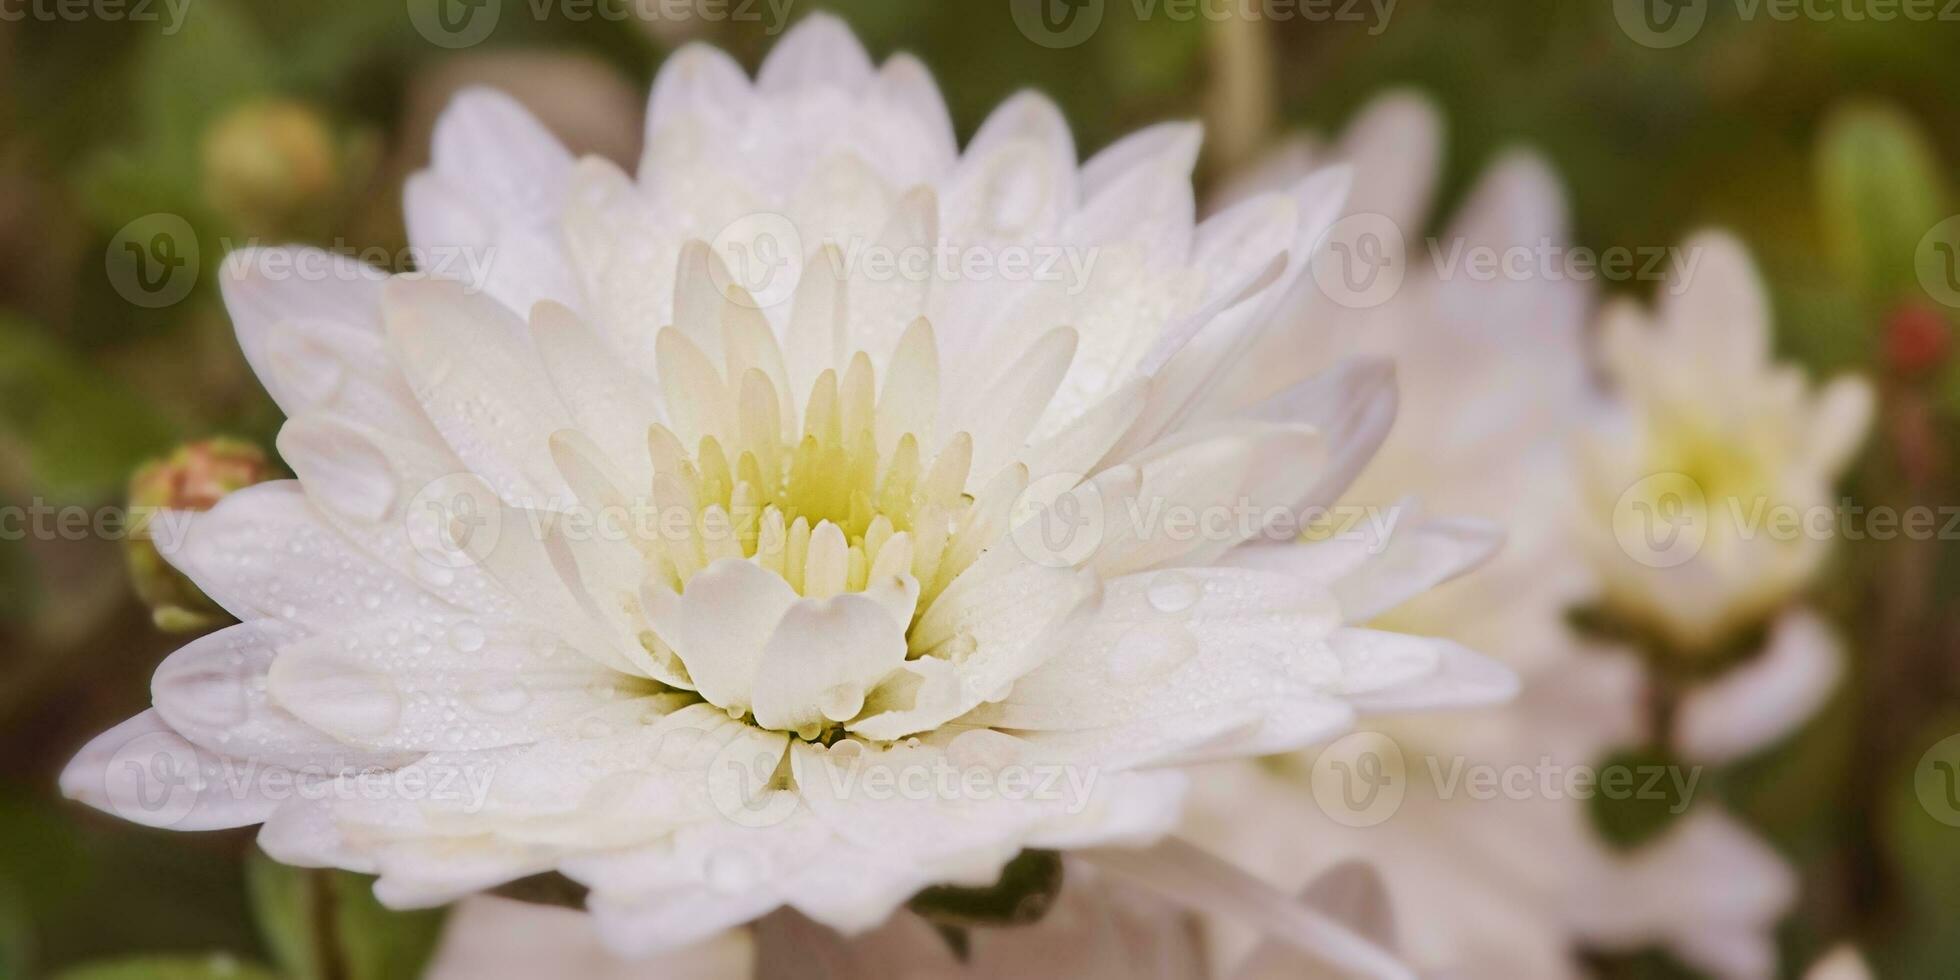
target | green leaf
[
  {"x": 1879, "y": 192},
  {"x": 1024, "y": 893},
  {"x": 327, "y": 924},
  {"x": 1638, "y": 797},
  {"x": 286, "y": 909},
  {"x": 378, "y": 943},
  {"x": 217, "y": 966},
  {"x": 214, "y": 62},
  {"x": 81, "y": 431}
]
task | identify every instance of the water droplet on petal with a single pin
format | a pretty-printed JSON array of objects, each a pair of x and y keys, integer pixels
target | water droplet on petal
[
  {"x": 1146, "y": 653},
  {"x": 1173, "y": 592},
  {"x": 841, "y": 702},
  {"x": 345, "y": 699},
  {"x": 501, "y": 696},
  {"x": 983, "y": 748},
  {"x": 467, "y": 637}
]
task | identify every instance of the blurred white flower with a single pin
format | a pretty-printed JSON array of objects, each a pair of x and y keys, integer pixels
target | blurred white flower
[
  {"x": 1494, "y": 397},
  {"x": 1842, "y": 963},
  {"x": 850, "y": 657},
  {"x": 1764, "y": 699},
  {"x": 1709, "y": 489},
  {"x": 1707, "y": 891},
  {"x": 486, "y": 938}
]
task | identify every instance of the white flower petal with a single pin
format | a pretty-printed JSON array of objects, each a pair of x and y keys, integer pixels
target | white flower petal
[
  {"x": 144, "y": 772},
  {"x": 1764, "y": 699},
  {"x": 1388, "y": 672},
  {"x": 474, "y": 372},
  {"x": 721, "y": 624},
  {"x": 213, "y": 692},
  {"x": 823, "y": 659},
  {"x": 413, "y": 686},
  {"x": 504, "y": 174},
  {"x": 1177, "y": 642},
  {"x": 818, "y": 51}
]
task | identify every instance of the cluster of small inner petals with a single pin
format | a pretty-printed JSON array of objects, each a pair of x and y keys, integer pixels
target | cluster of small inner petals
[
  {"x": 829, "y": 509},
  {"x": 850, "y": 495}
]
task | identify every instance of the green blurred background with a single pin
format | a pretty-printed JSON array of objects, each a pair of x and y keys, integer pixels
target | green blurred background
[{"x": 1822, "y": 143}]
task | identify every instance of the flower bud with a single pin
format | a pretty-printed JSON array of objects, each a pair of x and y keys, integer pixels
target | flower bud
[
  {"x": 194, "y": 477},
  {"x": 266, "y": 161},
  {"x": 1917, "y": 340},
  {"x": 1879, "y": 189}
]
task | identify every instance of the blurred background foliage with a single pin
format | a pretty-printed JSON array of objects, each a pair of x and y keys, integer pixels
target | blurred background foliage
[{"x": 1831, "y": 147}]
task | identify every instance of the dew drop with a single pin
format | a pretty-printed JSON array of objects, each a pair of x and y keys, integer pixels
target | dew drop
[
  {"x": 1172, "y": 592},
  {"x": 467, "y": 637},
  {"x": 841, "y": 702},
  {"x": 348, "y": 700},
  {"x": 501, "y": 697},
  {"x": 1146, "y": 653},
  {"x": 982, "y": 748}
]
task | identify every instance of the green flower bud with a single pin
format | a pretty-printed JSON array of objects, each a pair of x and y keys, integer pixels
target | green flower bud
[
  {"x": 194, "y": 477},
  {"x": 267, "y": 162},
  {"x": 1880, "y": 193}
]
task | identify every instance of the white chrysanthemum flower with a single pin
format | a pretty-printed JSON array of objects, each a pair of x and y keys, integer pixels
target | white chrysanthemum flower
[
  {"x": 857, "y": 650},
  {"x": 1495, "y": 392},
  {"x": 1711, "y": 489}
]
